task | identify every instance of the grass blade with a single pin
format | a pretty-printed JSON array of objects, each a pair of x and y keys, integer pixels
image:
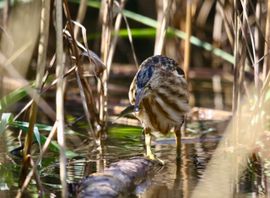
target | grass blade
[
  {"x": 180, "y": 34},
  {"x": 5, "y": 120},
  {"x": 12, "y": 98},
  {"x": 37, "y": 136}
]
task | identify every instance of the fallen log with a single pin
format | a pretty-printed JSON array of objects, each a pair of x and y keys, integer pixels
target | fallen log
[{"x": 118, "y": 180}]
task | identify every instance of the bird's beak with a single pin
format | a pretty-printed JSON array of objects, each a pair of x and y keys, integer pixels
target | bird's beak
[{"x": 138, "y": 99}]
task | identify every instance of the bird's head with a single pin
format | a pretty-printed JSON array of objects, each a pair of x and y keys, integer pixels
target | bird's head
[
  {"x": 153, "y": 66},
  {"x": 142, "y": 81}
]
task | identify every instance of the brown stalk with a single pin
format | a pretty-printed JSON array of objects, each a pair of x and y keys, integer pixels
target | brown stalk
[
  {"x": 89, "y": 110},
  {"x": 204, "y": 12},
  {"x": 188, "y": 34},
  {"x": 11, "y": 70},
  {"x": 218, "y": 25},
  {"x": 131, "y": 41},
  {"x": 163, "y": 17},
  {"x": 160, "y": 13},
  {"x": 241, "y": 26},
  {"x": 5, "y": 15},
  {"x": 6, "y": 10},
  {"x": 266, "y": 63},
  {"x": 220, "y": 7},
  {"x": 43, "y": 43},
  {"x": 60, "y": 97},
  {"x": 116, "y": 30},
  {"x": 237, "y": 58},
  {"x": 80, "y": 16},
  {"x": 258, "y": 38},
  {"x": 253, "y": 55},
  {"x": 34, "y": 167},
  {"x": 28, "y": 143},
  {"x": 105, "y": 47}
]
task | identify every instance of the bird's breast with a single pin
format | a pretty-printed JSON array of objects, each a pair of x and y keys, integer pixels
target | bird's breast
[{"x": 158, "y": 115}]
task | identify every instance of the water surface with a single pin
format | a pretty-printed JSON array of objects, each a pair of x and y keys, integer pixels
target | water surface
[{"x": 175, "y": 179}]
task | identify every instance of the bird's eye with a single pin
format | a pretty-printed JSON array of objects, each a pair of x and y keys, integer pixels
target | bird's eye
[
  {"x": 144, "y": 76},
  {"x": 155, "y": 59},
  {"x": 180, "y": 71}
]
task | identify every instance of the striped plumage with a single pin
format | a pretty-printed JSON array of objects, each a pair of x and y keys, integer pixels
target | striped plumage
[{"x": 160, "y": 95}]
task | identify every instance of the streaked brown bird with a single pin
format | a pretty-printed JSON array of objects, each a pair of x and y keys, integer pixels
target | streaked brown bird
[{"x": 159, "y": 94}]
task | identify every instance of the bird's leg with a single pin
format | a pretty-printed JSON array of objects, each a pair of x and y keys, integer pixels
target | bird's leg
[
  {"x": 178, "y": 133},
  {"x": 147, "y": 138},
  {"x": 149, "y": 153}
]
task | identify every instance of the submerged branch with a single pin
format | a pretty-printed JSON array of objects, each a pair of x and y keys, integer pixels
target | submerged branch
[{"x": 118, "y": 179}]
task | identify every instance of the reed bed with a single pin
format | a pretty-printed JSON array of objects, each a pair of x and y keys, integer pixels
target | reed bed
[{"x": 229, "y": 36}]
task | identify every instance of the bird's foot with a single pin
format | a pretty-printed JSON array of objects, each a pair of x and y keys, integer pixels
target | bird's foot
[
  {"x": 151, "y": 156},
  {"x": 160, "y": 162}
]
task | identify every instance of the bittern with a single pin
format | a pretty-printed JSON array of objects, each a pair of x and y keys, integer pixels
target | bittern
[{"x": 159, "y": 93}]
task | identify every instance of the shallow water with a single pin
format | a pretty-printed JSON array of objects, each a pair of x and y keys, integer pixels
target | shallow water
[{"x": 173, "y": 180}]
